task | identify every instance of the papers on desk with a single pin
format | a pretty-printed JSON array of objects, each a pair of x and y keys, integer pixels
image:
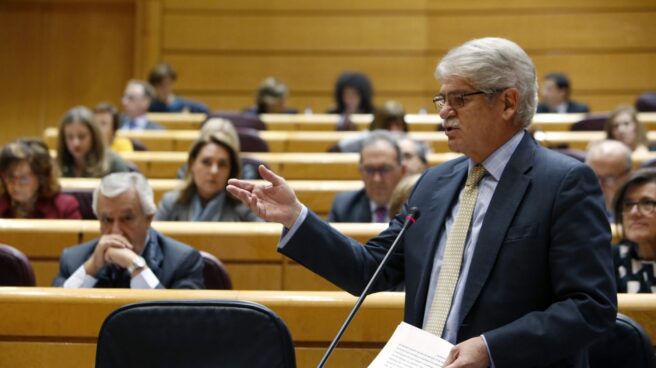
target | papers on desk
[{"x": 412, "y": 347}]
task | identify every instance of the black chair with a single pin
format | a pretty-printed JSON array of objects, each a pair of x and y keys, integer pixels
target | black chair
[
  {"x": 15, "y": 268},
  {"x": 215, "y": 275},
  {"x": 625, "y": 345},
  {"x": 646, "y": 102},
  {"x": 591, "y": 122},
  {"x": 241, "y": 120},
  {"x": 250, "y": 141},
  {"x": 85, "y": 200},
  {"x": 220, "y": 333}
]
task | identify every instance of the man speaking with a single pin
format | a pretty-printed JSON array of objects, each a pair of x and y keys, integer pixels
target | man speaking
[{"x": 510, "y": 259}]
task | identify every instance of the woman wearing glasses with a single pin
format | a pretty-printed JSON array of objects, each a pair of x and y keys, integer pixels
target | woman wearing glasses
[
  {"x": 635, "y": 213},
  {"x": 30, "y": 184}
]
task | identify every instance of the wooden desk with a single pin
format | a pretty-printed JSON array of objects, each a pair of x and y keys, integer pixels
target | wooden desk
[
  {"x": 416, "y": 122},
  {"x": 318, "y": 195},
  {"x": 248, "y": 250},
  {"x": 58, "y": 328}
]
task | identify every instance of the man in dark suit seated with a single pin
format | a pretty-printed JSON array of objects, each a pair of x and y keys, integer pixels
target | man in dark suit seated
[
  {"x": 162, "y": 77},
  {"x": 129, "y": 254},
  {"x": 381, "y": 169},
  {"x": 136, "y": 100},
  {"x": 555, "y": 94},
  {"x": 510, "y": 259}
]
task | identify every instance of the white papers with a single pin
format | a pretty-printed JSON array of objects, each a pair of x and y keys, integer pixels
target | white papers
[{"x": 412, "y": 347}]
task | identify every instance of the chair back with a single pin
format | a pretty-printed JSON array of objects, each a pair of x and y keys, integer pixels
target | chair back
[
  {"x": 590, "y": 123},
  {"x": 239, "y": 120},
  {"x": 15, "y": 268},
  {"x": 85, "y": 200},
  {"x": 625, "y": 345},
  {"x": 646, "y": 102},
  {"x": 215, "y": 274},
  {"x": 250, "y": 141},
  {"x": 186, "y": 333}
]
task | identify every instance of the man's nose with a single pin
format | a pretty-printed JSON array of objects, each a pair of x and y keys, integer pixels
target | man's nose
[{"x": 446, "y": 111}]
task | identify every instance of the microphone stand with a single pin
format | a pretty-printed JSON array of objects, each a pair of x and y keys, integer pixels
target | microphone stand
[{"x": 410, "y": 218}]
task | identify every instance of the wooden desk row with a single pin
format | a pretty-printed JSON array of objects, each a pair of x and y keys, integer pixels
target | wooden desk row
[
  {"x": 247, "y": 249},
  {"x": 297, "y": 141},
  {"x": 318, "y": 195},
  {"x": 291, "y": 166},
  {"x": 58, "y": 328},
  {"x": 416, "y": 122}
]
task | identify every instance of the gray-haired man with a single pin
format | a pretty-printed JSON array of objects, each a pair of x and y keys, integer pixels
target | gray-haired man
[{"x": 129, "y": 253}]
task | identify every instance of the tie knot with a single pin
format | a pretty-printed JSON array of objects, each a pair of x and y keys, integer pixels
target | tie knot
[
  {"x": 475, "y": 175},
  {"x": 381, "y": 213}
]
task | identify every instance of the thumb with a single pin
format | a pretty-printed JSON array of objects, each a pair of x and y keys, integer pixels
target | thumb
[{"x": 270, "y": 176}]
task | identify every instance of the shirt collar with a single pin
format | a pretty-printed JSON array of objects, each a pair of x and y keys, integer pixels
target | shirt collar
[{"x": 497, "y": 161}]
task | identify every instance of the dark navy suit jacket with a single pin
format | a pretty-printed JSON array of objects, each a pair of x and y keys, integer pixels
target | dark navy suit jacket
[
  {"x": 176, "y": 265},
  {"x": 541, "y": 283},
  {"x": 350, "y": 207}
]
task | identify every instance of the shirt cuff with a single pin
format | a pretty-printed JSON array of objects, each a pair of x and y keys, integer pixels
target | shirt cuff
[
  {"x": 288, "y": 233},
  {"x": 146, "y": 279},
  {"x": 488, "y": 352},
  {"x": 80, "y": 279}
]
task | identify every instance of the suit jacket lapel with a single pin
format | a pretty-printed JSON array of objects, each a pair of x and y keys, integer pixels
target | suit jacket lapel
[
  {"x": 506, "y": 200},
  {"x": 446, "y": 186}
]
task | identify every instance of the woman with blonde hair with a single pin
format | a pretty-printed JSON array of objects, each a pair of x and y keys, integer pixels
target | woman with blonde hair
[
  {"x": 29, "y": 185},
  {"x": 213, "y": 159},
  {"x": 623, "y": 125},
  {"x": 81, "y": 150}
]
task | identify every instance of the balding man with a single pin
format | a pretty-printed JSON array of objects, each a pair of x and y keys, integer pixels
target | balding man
[{"x": 611, "y": 161}]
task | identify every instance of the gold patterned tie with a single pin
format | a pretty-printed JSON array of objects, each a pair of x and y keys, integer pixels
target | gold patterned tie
[{"x": 455, "y": 244}]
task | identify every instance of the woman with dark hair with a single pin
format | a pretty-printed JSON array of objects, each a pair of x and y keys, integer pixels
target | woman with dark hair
[
  {"x": 30, "y": 184},
  {"x": 353, "y": 95},
  {"x": 623, "y": 125},
  {"x": 635, "y": 214},
  {"x": 213, "y": 159},
  {"x": 81, "y": 148}
]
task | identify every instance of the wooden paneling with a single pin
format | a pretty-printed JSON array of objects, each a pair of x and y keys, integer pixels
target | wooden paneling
[
  {"x": 57, "y": 54},
  {"x": 302, "y": 32}
]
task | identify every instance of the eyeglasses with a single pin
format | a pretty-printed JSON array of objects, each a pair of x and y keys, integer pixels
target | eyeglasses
[
  {"x": 457, "y": 100},
  {"x": 612, "y": 180},
  {"x": 382, "y": 170},
  {"x": 645, "y": 206},
  {"x": 18, "y": 179}
]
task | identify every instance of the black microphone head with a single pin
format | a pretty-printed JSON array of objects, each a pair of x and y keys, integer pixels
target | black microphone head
[{"x": 414, "y": 213}]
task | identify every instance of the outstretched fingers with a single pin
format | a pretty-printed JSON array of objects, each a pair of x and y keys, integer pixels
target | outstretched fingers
[{"x": 270, "y": 176}]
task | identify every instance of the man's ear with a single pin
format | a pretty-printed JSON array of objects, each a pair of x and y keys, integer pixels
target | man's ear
[{"x": 510, "y": 100}]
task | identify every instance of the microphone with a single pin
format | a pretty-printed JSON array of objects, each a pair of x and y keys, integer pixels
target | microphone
[{"x": 410, "y": 218}]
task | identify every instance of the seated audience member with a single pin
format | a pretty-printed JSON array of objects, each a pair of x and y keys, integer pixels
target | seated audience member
[
  {"x": 271, "y": 98},
  {"x": 555, "y": 96},
  {"x": 381, "y": 169},
  {"x": 611, "y": 162},
  {"x": 107, "y": 118},
  {"x": 212, "y": 125},
  {"x": 30, "y": 184},
  {"x": 162, "y": 77},
  {"x": 136, "y": 100},
  {"x": 390, "y": 117},
  {"x": 129, "y": 253},
  {"x": 81, "y": 148},
  {"x": 635, "y": 255},
  {"x": 624, "y": 126},
  {"x": 353, "y": 95},
  {"x": 402, "y": 192},
  {"x": 414, "y": 155},
  {"x": 212, "y": 160}
]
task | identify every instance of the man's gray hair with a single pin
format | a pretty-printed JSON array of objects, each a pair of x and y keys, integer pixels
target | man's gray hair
[
  {"x": 602, "y": 149},
  {"x": 385, "y": 136},
  {"x": 422, "y": 148},
  {"x": 116, "y": 184},
  {"x": 491, "y": 64}
]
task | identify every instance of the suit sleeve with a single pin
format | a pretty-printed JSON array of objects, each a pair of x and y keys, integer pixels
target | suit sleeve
[
  {"x": 64, "y": 270},
  {"x": 582, "y": 281}
]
